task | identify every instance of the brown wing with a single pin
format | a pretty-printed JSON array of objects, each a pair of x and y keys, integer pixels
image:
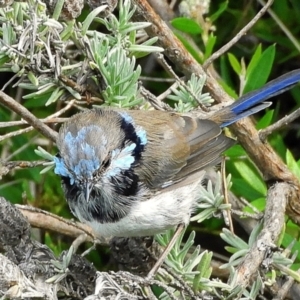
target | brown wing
[{"x": 178, "y": 146}]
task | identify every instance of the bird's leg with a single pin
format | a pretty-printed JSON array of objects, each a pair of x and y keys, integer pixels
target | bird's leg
[{"x": 165, "y": 253}]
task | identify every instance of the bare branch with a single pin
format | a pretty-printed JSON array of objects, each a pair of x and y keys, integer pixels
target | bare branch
[
  {"x": 28, "y": 116},
  {"x": 242, "y": 32},
  {"x": 274, "y": 220},
  {"x": 42, "y": 219},
  {"x": 264, "y": 133}
]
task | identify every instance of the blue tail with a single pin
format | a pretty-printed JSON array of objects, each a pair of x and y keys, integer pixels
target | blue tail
[{"x": 247, "y": 104}]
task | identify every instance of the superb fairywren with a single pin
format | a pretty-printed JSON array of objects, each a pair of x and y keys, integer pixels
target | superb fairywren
[{"x": 137, "y": 173}]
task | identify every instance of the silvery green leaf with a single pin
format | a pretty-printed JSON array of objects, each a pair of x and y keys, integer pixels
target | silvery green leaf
[
  {"x": 225, "y": 206},
  {"x": 53, "y": 23},
  {"x": 193, "y": 261},
  {"x": 185, "y": 247},
  {"x": 8, "y": 34},
  {"x": 219, "y": 284},
  {"x": 134, "y": 27},
  {"x": 74, "y": 93},
  {"x": 237, "y": 257},
  {"x": 68, "y": 256},
  {"x": 44, "y": 154},
  {"x": 34, "y": 80},
  {"x": 15, "y": 68},
  {"x": 67, "y": 31},
  {"x": 91, "y": 16},
  {"x": 145, "y": 48},
  {"x": 57, "y": 93},
  {"x": 47, "y": 88},
  {"x": 278, "y": 258},
  {"x": 233, "y": 240},
  {"x": 54, "y": 279},
  {"x": 254, "y": 233},
  {"x": 204, "y": 267},
  {"x": 57, "y": 264},
  {"x": 204, "y": 215},
  {"x": 151, "y": 41},
  {"x": 43, "y": 171}
]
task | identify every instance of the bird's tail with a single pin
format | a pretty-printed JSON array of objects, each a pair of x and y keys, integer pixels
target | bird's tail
[{"x": 252, "y": 102}]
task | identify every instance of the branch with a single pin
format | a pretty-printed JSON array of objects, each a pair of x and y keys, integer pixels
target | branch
[
  {"x": 27, "y": 264},
  {"x": 28, "y": 116},
  {"x": 274, "y": 219},
  {"x": 42, "y": 219},
  {"x": 281, "y": 123}
]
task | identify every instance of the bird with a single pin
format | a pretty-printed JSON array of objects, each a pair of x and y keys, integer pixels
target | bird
[{"x": 133, "y": 173}]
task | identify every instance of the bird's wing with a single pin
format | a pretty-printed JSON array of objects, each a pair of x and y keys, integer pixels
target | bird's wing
[{"x": 177, "y": 147}]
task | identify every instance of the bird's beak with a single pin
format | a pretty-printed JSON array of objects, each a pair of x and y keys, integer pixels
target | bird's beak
[{"x": 88, "y": 189}]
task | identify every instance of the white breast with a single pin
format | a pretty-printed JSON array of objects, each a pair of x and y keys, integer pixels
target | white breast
[{"x": 161, "y": 212}]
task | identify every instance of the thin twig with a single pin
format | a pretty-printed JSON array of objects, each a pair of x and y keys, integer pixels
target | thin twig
[
  {"x": 23, "y": 122},
  {"x": 179, "y": 283},
  {"x": 264, "y": 133},
  {"x": 63, "y": 110},
  {"x": 244, "y": 214},
  {"x": 283, "y": 291},
  {"x": 28, "y": 116},
  {"x": 242, "y": 32},
  {"x": 169, "y": 69},
  {"x": 168, "y": 91},
  {"x": 6, "y": 167},
  {"x": 156, "y": 79},
  {"x": 226, "y": 199},
  {"x": 285, "y": 288},
  {"x": 15, "y": 133},
  {"x": 152, "y": 99},
  {"x": 50, "y": 119},
  {"x": 22, "y": 164}
]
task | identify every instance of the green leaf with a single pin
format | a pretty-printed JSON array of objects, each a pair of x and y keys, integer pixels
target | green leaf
[
  {"x": 37, "y": 100},
  {"x": 235, "y": 64},
  {"x": 204, "y": 268},
  {"x": 186, "y": 25},
  {"x": 33, "y": 79},
  {"x": 292, "y": 164},
  {"x": 229, "y": 90},
  {"x": 288, "y": 239},
  {"x": 266, "y": 120},
  {"x": 250, "y": 176},
  {"x": 235, "y": 151},
  {"x": 57, "y": 93},
  {"x": 3, "y": 59},
  {"x": 254, "y": 60},
  {"x": 221, "y": 9},
  {"x": 243, "y": 188},
  {"x": 210, "y": 45},
  {"x": 261, "y": 71},
  {"x": 194, "y": 52},
  {"x": 259, "y": 204}
]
